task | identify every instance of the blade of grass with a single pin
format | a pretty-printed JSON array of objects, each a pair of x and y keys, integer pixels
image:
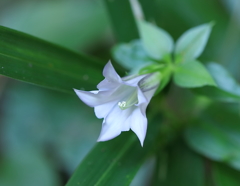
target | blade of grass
[
  {"x": 116, "y": 162},
  {"x": 27, "y": 58}
]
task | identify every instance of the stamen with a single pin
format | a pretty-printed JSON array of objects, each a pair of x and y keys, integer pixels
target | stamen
[
  {"x": 122, "y": 104},
  {"x": 131, "y": 100}
]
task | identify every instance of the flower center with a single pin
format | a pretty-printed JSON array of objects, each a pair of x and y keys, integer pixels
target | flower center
[
  {"x": 122, "y": 104},
  {"x": 132, "y": 100}
]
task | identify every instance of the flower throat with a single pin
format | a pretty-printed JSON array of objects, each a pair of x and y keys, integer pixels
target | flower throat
[{"x": 132, "y": 100}]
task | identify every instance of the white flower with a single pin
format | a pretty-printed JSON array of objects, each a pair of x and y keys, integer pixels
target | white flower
[{"x": 122, "y": 102}]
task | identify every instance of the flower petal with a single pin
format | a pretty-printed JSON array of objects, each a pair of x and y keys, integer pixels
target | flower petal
[
  {"x": 126, "y": 125},
  {"x": 144, "y": 98},
  {"x": 106, "y": 85},
  {"x": 110, "y": 73},
  {"x": 133, "y": 80},
  {"x": 149, "y": 94},
  {"x": 150, "y": 81},
  {"x": 139, "y": 124},
  {"x": 109, "y": 132},
  {"x": 103, "y": 110},
  {"x": 112, "y": 79},
  {"x": 92, "y": 98},
  {"x": 115, "y": 122},
  {"x": 141, "y": 97}
]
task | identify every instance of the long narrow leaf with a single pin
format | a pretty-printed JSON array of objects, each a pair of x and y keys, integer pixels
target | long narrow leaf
[
  {"x": 116, "y": 162},
  {"x": 123, "y": 21},
  {"x": 32, "y": 60}
]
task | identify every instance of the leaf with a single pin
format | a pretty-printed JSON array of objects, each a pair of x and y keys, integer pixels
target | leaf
[
  {"x": 182, "y": 158},
  {"x": 227, "y": 88},
  {"x": 157, "y": 42},
  {"x": 132, "y": 56},
  {"x": 225, "y": 176},
  {"x": 192, "y": 74},
  {"x": 217, "y": 135},
  {"x": 192, "y": 43},
  {"x": 217, "y": 94},
  {"x": 32, "y": 60},
  {"x": 145, "y": 173},
  {"x": 223, "y": 78},
  {"x": 124, "y": 24},
  {"x": 115, "y": 162}
]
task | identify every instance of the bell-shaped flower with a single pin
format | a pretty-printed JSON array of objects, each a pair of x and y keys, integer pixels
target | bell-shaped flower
[{"x": 122, "y": 102}]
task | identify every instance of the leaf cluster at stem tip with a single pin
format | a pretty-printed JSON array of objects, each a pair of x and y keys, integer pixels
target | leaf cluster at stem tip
[{"x": 157, "y": 52}]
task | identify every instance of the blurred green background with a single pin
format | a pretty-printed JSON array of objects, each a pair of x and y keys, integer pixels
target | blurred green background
[{"x": 45, "y": 134}]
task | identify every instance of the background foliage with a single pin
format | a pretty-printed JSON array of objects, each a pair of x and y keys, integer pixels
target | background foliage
[{"x": 45, "y": 134}]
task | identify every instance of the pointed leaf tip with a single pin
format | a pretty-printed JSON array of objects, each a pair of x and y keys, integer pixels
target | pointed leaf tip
[
  {"x": 192, "y": 74},
  {"x": 192, "y": 43},
  {"x": 156, "y": 41}
]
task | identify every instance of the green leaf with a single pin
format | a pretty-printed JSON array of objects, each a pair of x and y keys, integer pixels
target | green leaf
[
  {"x": 115, "y": 162},
  {"x": 182, "y": 158},
  {"x": 192, "y": 43},
  {"x": 210, "y": 141},
  {"x": 145, "y": 173},
  {"x": 227, "y": 88},
  {"x": 123, "y": 21},
  {"x": 217, "y": 135},
  {"x": 217, "y": 94},
  {"x": 132, "y": 56},
  {"x": 32, "y": 60},
  {"x": 223, "y": 78},
  {"x": 225, "y": 176},
  {"x": 192, "y": 74},
  {"x": 157, "y": 42}
]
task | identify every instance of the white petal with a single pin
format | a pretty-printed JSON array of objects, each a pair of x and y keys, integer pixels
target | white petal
[
  {"x": 126, "y": 125},
  {"x": 105, "y": 85},
  {"x": 108, "y": 132},
  {"x": 133, "y": 81},
  {"x": 110, "y": 73},
  {"x": 93, "y": 98},
  {"x": 112, "y": 79},
  {"x": 141, "y": 97},
  {"x": 114, "y": 123},
  {"x": 150, "y": 81},
  {"x": 149, "y": 94},
  {"x": 139, "y": 124},
  {"x": 103, "y": 110},
  {"x": 144, "y": 99},
  {"x": 121, "y": 93}
]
